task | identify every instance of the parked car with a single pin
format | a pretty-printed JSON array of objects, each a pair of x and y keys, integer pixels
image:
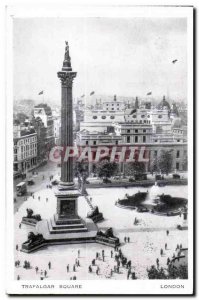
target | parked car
[
  {"x": 176, "y": 176},
  {"x": 131, "y": 179},
  {"x": 30, "y": 181},
  {"x": 106, "y": 180}
]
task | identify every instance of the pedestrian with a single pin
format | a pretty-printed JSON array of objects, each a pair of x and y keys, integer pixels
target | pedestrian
[
  {"x": 49, "y": 265},
  {"x": 102, "y": 252},
  {"x": 128, "y": 239},
  {"x": 46, "y": 199},
  {"x": 19, "y": 225},
  {"x": 167, "y": 232},
  {"x": 74, "y": 277},
  {"x": 90, "y": 269},
  {"x": 93, "y": 262},
  {"x": 17, "y": 247},
  {"x": 78, "y": 263},
  {"x": 36, "y": 269},
  {"x": 78, "y": 253},
  {"x": 165, "y": 246},
  {"x": 161, "y": 252},
  {"x": 43, "y": 177},
  {"x": 168, "y": 261},
  {"x": 157, "y": 261},
  {"x": 133, "y": 275},
  {"x": 180, "y": 246},
  {"x": 18, "y": 277},
  {"x": 111, "y": 253},
  {"x": 128, "y": 273},
  {"x": 68, "y": 268},
  {"x": 33, "y": 196},
  {"x": 97, "y": 271},
  {"x": 118, "y": 269},
  {"x": 45, "y": 273},
  {"x": 97, "y": 255},
  {"x": 125, "y": 239},
  {"x": 103, "y": 257},
  {"x": 39, "y": 198},
  {"x": 74, "y": 269}
]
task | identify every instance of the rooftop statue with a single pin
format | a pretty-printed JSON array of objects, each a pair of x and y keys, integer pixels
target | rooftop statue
[{"x": 67, "y": 56}]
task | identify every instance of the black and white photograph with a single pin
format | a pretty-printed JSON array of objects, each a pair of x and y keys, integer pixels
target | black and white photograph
[{"x": 100, "y": 162}]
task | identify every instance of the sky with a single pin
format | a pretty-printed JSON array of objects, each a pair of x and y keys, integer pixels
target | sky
[{"x": 122, "y": 56}]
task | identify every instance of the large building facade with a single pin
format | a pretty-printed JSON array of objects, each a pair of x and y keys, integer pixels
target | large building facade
[
  {"x": 154, "y": 129},
  {"x": 24, "y": 148}
]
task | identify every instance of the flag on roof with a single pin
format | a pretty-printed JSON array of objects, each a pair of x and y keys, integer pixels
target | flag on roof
[
  {"x": 41, "y": 93},
  {"x": 92, "y": 93}
]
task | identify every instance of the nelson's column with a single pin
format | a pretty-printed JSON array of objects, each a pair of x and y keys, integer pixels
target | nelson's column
[{"x": 66, "y": 226}]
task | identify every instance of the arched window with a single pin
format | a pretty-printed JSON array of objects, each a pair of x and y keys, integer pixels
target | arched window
[{"x": 94, "y": 117}]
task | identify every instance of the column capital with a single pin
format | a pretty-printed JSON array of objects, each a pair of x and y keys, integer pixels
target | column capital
[{"x": 66, "y": 78}]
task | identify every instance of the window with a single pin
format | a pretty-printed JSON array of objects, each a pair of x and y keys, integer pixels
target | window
[
  {"x": 160, "y": 116},
  {"x": 128, "y": 139},
  {"x": 128, "y": 130},
  {"x": 94, "y": 117},
  {"x": 156, "y": 141},
  {"x": 116, "y": 142},
  {"x": 142, "y": 116},
  {"x": 177, "y": 166},
  {"x": 144, "y": 139},
  {"x": 145, "y": 121},
  {"x": 15, "y": 150},
  {"x": 178, "y": 141},
  {"x": 86, "y": 142},
  {"x": 136, "y": 130},
  {"x": 148, "y": 116},
  {"x": 117, "y": 104},
  {"x": 107, "y": 104},
  {"x": 112, "y": 117},
  {"x": 144, "y": 130},
  {"x": 112, "y": 108},
  {"x": 136, "y": 139},
  {"x": 103, "y": 117},
  {"x": 177, "y": 154},
  {"x": 155, "y": 153},
  {"x": 94, "y": 142}
]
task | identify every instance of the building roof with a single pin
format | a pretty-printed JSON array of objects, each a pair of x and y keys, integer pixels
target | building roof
[
  {"x": 164, "y": 103},
  {"x": 47, "y": 108}
]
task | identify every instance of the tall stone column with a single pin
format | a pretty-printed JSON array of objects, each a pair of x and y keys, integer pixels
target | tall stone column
[
  {"x": 67, "y": 193},
  {"x": 66, "y": 76}
]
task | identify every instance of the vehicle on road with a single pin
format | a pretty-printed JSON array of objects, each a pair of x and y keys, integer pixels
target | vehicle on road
[
  {"x": 21, "y": 188},
  {"x": 30, "y": 181}
]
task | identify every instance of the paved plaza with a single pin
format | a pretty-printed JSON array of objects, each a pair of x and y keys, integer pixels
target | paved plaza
[{"x": 146, "y": 239}]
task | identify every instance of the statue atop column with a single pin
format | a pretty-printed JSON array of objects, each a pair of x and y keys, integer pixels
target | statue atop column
[{"x": 67, "y": 61}]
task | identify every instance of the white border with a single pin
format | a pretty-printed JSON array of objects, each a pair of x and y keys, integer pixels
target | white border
[{"x": 94, "y": 286}]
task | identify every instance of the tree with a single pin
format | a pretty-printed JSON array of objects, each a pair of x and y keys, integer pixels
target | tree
[
  {"x": 21, "y": 117},
  {"x": 155, "y": 165},
  {"x": 133, "y": 168},
  {"x": 165, "y": 161},
  {"x": 180, "y": 272},
  {"x": 154, "y": 273},
  {"x": 106, "y": 169}
]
